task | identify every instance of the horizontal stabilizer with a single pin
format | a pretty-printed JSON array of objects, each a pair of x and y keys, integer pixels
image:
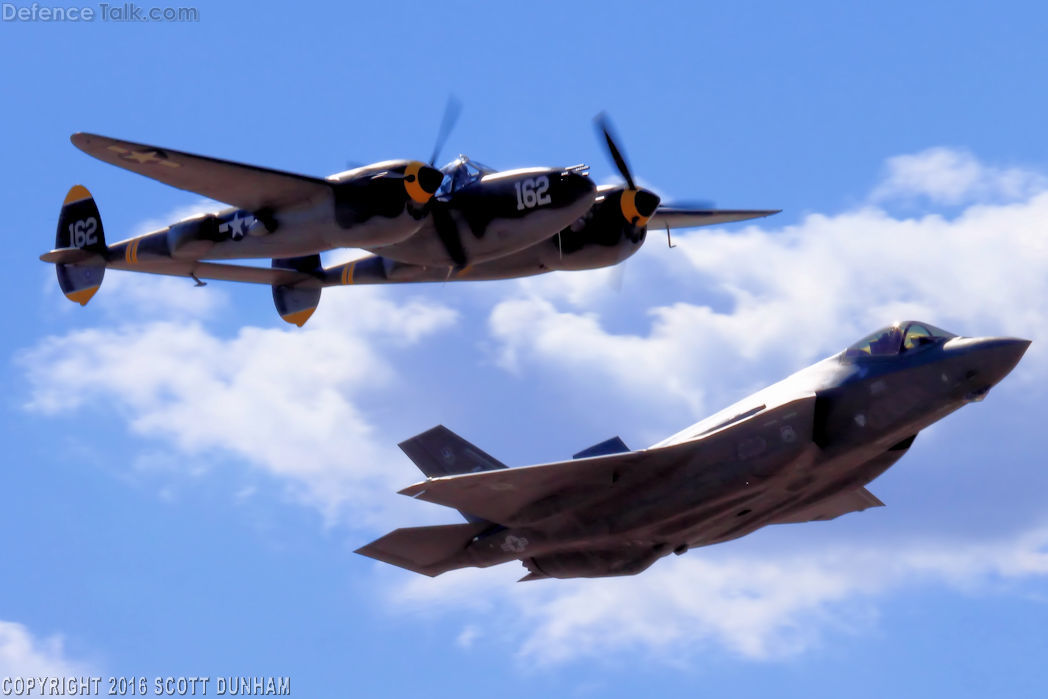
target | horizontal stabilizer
[
  {"x": 440, "y": 452},
  {"x": 73, "y": 256},
  {"x": 423, "y": 549},
  {"x": 615, "y": 445}
]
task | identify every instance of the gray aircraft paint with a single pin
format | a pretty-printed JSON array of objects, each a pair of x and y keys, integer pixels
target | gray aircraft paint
[{"x": 802, "y": 449}]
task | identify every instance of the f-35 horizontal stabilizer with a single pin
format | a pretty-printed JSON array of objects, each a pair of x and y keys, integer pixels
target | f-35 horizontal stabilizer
[
  {"x": 440, "y": 452},
  {"x": 423, "y": 549},
  {"x": 615, "y": 445}
]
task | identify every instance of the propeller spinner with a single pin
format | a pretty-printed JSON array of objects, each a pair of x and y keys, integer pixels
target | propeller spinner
[{"x": 637, "y": 204}]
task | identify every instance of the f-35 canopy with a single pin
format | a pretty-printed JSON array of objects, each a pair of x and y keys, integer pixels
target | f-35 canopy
[{"x": 896, "y": 339}]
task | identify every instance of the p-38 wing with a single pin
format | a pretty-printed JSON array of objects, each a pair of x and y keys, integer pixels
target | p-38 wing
[
  {"x": 245, "y": 186},
  {"x": 675, "y": 217}
]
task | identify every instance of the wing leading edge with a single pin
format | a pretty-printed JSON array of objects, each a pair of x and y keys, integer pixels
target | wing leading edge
[
  {"x": 674, "y": 217},
  {"x": 245, "y": 186},
  {"x": 499, "y": 495}
]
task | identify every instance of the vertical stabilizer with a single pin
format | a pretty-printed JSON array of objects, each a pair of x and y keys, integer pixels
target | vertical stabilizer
[
  {"x": 440, "y": 452},
  {"x": 81, "y": 238}
]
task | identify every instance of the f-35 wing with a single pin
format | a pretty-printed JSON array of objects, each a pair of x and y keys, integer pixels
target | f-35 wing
[
  {"x": 245, "y": 186},
  {"x": 507, "y": 496},
  {"x": 674, "y": 217},
  {"x": 832, "y": 507}
]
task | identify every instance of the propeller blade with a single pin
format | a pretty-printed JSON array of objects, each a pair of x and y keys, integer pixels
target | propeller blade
[
  {"x": 451, "y": 114},
  {"x": 604, "y": 126},
  {"x": 447, "y": 231}
]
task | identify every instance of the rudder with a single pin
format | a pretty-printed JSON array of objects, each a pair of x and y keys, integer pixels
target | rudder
[
  {"x": 296, "y": 303},
  {"x": 80, "y": 237}
]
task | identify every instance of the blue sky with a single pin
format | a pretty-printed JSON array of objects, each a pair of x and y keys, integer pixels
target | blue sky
[{"x": 187, "y": 477}]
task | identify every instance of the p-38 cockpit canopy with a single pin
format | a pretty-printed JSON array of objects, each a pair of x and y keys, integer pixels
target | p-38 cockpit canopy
[
  {"x": 896, "y": 339},
  {"x": 460, "y": 172}
]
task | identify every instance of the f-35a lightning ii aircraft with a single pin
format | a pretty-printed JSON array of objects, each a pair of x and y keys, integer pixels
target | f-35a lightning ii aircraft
[
  {"x": 800, "y": 450},
  {"x": 463, "y": 222}
]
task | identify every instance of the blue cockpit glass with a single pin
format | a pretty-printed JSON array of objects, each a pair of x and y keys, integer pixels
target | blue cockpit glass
[
  {"x": 897, "y": 339},
  {"x": 460, "y": 172}
]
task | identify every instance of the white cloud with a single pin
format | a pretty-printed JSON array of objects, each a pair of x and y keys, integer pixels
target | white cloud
[
  {"x": 953, "y": 176},
  {"x": 783, "y": 297},
  {"x": 287, "y": 401},
  {"x": 202, "y": 205},
  {"x": 125, "y": 296},
  {"x": 23, "y": 655},
  {"x": 284, "y": 400},
  {"x": 792, "y": 296},
  {"x": 758, "y": 607}
]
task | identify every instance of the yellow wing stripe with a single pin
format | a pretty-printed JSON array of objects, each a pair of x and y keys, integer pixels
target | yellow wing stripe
[
  {"x": 131, "y": 252},
  {"x": 347, "y": 272}
]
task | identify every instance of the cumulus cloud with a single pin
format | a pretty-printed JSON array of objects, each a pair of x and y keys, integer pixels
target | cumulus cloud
[
  {"x": 24, "y": 655},
  {"x": 774, "y": 299},
  {"x": 765, "y": 607},
  {"x": 283, "y": 400},
  {"x": 771, "y": 299},
  {"x": 953, "y": 176},
  {"x": 789, "y": 296},
  {"x": 202, "y": 205}
]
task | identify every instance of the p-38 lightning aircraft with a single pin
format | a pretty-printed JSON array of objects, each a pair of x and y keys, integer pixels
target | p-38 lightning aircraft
[
  {"x": 462, "y": 222},
  {"x": 800, "y": 450}
]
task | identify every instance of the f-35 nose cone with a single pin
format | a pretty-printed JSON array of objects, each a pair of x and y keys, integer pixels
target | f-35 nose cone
[{"x": 988, "y": 359}]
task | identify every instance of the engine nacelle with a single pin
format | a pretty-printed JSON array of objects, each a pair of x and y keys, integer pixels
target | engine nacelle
[
  {"x": 605, "y": 236},
  {"x": 393, "y": 195}
]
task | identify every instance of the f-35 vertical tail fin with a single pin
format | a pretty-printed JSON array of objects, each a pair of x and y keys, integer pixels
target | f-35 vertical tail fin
[{"x": 440, "y": 452}]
